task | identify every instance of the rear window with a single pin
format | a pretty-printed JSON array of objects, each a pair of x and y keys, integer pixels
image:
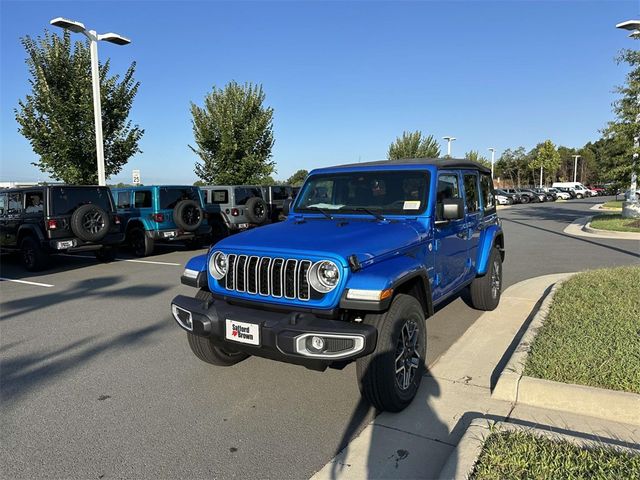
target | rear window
[
  {"x": 64, "y": 200},
  {"x": 169, "y": 197},
  {"x": 245, "y": 193},
  {"x": 219, "y": 196}
]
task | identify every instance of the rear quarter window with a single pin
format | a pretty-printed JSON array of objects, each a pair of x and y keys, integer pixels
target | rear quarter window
[
  {"x": 219, "y": 196},
  {"x": 65, "y": 200},
  {"x": 142, "y": 199},
  {"x": 487, "y": 193}
]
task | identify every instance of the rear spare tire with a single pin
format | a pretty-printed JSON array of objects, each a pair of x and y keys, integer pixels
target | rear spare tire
[
  {"x": 256, "y": 210},
  {"x": 188, "y": 215},
  {"x": 90, "y": 223}
]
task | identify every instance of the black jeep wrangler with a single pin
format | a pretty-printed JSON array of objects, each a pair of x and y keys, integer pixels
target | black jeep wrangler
[{"x": 44, "y": 220}]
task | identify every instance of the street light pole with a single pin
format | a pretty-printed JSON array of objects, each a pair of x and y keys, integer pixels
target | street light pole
[
  {"x": 94, "y": 38},
  {"x": 449, "y": 139},
  {"x": 631, "y": 209},
  {"x": 493, "y": 151},
  {"x": 575, "y": 167}
]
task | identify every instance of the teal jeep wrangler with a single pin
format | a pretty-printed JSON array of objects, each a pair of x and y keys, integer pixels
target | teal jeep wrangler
[{"x": 365, "y": 255}]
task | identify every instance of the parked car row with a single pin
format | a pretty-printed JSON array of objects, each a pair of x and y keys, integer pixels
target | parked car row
[
  {"x": 44, "y": 220},
  {"x": 558, "y": 191}
]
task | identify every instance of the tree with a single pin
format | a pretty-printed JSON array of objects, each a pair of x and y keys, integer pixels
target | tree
[
  {"x": 199, "y": 183},
  {"x": 545, "y": 156},
  {"x": 513, "y": 164},
  {"x": 298, "y": 178},
  {"x": 414, "y": 145},
  {"x": 234, "y": 135},
  {"x": 475, "y": 156},
  {"x": 624, "y": 128},
  {"x": 57, "y": 116}
]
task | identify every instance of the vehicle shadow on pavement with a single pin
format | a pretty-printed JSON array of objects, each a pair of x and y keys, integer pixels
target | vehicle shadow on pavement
[
  {"x": 388, "y": 444},
  {"x": 12, "y": 267},
  {"x": 23, "y": 373},
  {"x": 81, "y": 290}
]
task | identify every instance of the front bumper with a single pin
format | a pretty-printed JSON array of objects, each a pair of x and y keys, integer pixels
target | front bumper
[{"x": 282, "y": 335}]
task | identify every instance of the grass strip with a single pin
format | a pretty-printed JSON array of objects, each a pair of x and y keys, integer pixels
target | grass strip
[
  {"x": 616, "y": 223},
  {"x": 522, "y": 455},
  {"x": 591, "y": 335},
  {"x": 613, "y": 204}
]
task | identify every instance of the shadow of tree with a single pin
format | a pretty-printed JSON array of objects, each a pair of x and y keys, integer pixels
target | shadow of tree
[
  {"x": 21, "y": 374},
  {"x": 85, "y": 290}
]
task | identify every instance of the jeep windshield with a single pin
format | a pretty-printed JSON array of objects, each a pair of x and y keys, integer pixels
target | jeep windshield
[
  {"x": 169, "y": 197},
  {"x": 65, "y": 200},
  {"x": 384, "y": 192}
]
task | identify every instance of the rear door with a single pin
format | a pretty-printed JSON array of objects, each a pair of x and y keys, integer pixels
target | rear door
[
  {"x": 473, "y": 216},
  {"x": 12, "y": 218}
]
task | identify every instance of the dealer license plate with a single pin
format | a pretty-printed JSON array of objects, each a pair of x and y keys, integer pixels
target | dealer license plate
[
  {"x": 243, "y": 225},
  {"x": 243, "y": 332},
  {"x": 169, "y": 234}
]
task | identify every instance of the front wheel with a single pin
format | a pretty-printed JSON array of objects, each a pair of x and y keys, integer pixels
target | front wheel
[
  {"x": 207, "y": 351},
  {"x": 390, "y": 376},
  {"x": 486, "y": 290}
]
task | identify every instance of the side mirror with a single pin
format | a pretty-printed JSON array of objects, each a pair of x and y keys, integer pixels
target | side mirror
[
  {"x": 452, "y": 209},
  {"x": 286, "y": 206}
]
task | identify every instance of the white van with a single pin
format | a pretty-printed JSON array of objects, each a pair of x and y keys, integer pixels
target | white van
[{"x": 581, "y": 190}]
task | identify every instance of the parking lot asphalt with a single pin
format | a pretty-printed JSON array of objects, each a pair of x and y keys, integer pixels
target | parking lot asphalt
[{"x": 98, "y": 382}]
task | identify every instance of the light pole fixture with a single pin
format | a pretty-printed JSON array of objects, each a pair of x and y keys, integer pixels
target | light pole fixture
[
  {"x": 449, "y": 139},
  {"x": 94, "y": 38},
  {"x": 575, "y": 167},
  {"x": 493, "y": 151}
]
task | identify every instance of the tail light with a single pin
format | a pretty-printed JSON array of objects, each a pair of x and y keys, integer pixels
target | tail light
[
  {"x": 116, "y": 219},
  {"x": 158, "y": 217},
  {"x": 235, "y": 212},
  {"x": 52, "y": 224}
]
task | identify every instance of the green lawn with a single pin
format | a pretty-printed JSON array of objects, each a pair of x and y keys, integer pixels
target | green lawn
[
  {"x": 615, "y": 223},
  {"x": 615, "y": 204},
  {"x": 592, "y": 333},
  {"x": 521, "y": 455}
]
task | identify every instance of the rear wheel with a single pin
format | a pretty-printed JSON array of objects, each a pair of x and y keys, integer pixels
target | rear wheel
[
  {"x": 390, "y": 376},
  {"x": 486, "y": 290},
  {"x": 141, "y": 244},
  {"x": 33, "y": 257},
  {"x": 207, "y": 351}
]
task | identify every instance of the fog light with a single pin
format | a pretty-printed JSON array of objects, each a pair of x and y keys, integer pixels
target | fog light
[{"x": 315, "y": 344}]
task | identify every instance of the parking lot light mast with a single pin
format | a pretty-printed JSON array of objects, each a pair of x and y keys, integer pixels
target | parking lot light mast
[
  {"x": 94, "y": 38},
  {"x": 575, "y": 167},
  {"x": 634, "y": 27},
  {"x": 449, "y": 139},
  {"x": 493, "y": 152}
]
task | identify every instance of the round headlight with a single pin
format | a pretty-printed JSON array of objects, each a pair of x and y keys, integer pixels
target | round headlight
[
  {"x": 218, "y": 265},
  {"x": 324, "y": 276}
]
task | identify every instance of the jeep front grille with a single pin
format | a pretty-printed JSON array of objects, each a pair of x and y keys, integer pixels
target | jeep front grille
[{"x": 266, "y": 276}]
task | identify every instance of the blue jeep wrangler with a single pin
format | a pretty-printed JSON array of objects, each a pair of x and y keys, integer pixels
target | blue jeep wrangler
[
  {"x": 167, "y": 213},
  {"x": 366, "y": 253}
]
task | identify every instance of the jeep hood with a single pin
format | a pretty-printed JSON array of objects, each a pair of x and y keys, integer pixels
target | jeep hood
[{"x": 319, "y": 236}]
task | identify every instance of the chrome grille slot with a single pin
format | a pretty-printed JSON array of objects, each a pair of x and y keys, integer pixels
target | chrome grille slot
[{"x": 266, "y": 276}]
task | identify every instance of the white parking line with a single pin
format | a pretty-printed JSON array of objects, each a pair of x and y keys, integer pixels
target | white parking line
[
  {"x": 152, "y": 262},
  {"x": 46, "y": 285}
]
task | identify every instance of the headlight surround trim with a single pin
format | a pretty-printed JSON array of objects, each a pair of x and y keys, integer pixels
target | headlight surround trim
[{"x": 218, "y": 265}]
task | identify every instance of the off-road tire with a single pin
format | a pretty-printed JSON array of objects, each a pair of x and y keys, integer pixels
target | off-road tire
[
  {"x": 32, "y": 255},
  {"x": 106, "y": 254},
  {"x": 485, "y": 295},
  {"x": 141, "y": 244},
  {"x": 188, "y": 215},
  {"x": 90, "y": 223},
  {"x": 256, "y": 210},
  {"x": 207, "y": 351},
  {"x": 377, "y": 373}
]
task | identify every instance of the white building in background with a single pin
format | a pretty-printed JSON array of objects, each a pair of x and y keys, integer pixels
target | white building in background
[{"x": 18, "y": 184}]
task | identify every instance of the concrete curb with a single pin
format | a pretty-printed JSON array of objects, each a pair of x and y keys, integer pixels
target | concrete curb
[
  {"x": 515, "y": 387},
  {"x": 601, "y": 208},
  {"x": 576, "y": 228},
  {"x": 463, "y": 459},
  {"x": 609, "y": 233}
]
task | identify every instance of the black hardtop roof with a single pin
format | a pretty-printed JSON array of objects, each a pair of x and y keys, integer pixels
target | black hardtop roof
[
  {"x": 42, "y": 187},
  {"x": 440, "y": 163}
]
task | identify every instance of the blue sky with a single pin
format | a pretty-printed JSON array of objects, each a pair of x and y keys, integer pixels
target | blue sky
[{"x": 344, "y": 78}]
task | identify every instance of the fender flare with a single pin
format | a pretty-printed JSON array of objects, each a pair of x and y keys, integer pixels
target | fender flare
[
  {"x": 195, "y": 272},
  {"x": 491, "y": 237},
  {"x": 29, "y": 229}
]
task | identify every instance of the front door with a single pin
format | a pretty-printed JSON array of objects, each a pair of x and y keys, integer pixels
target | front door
[{"x": 450, "y": 237}]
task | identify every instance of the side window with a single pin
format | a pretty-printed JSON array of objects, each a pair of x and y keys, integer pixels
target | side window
[
  {"x": 15, "y": 204},
  {"x": 33, "y": 201},
  {"x": 142, "y": 199},
  {"x": 3, "y": 203},
  {"x": 448, "y": 188},
  {"x": 124, "y": 200},
  {"x": 486, "y": 189},
  {"x": 219, "y": 196},
  {"x": 471, "y": 192}
]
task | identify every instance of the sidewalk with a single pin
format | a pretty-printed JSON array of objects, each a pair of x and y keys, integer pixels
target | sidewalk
[{"x": 417, "y": 442}]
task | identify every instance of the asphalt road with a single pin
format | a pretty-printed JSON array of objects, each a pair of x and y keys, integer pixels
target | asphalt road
[{"x": 98, "y": 382}]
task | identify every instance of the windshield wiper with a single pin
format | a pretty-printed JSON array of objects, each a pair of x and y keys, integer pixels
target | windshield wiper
[
  {"x": 324, "y": 212},
  {"x": 370, "y": 212}
]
